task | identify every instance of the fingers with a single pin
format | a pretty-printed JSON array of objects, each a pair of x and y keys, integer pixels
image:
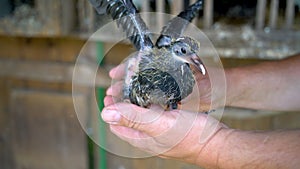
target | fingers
[
  {"x": 118, "y": 72},
  {"x": 113, "y": 94},
  {"x": 150, "y": 121},
  {"x": 115, "y": 89},
  {"x": 108, "y": 100},
  {"x": 159, "y": 132}
]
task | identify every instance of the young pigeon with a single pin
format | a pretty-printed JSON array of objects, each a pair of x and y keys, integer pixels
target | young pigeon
[{"x": 164, "y": 74}]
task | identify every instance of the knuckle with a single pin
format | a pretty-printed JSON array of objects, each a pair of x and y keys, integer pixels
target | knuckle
[{"x": 133, "y": 121}]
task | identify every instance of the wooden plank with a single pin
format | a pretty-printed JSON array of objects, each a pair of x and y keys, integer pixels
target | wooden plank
[
  {"x": 12, "y": 83},
  {"x": 6, "y": 155},
  {"x": 3, "y": 95},
  {"x": 10, "y": 47},
  {"x": 40, "y": 49},
  {"x": 67, "y": 49},
  {"x": 46, "y": 132},
  {"x": 117, "y": 52},
  {"x": 54, "y": 72},
  {"x": 40, "y": 85}
]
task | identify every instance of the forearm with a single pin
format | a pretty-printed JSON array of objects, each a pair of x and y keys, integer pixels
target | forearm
[
  {"x": 241, "y": 149},
  {"x": 273, "y": 85}
]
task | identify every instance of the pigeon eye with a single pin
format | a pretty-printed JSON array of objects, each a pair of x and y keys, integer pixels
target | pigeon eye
[{"x": 183, "y": 50}]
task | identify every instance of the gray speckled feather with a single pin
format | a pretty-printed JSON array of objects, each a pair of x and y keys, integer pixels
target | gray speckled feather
[
  {"x": 163, "y": 77},
  {"x": 175, "y": 27},
  {"x": 127, "y": 18}
]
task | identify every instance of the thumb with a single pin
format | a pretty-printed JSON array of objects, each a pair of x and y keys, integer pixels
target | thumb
[{"x": 153, "y": 121}]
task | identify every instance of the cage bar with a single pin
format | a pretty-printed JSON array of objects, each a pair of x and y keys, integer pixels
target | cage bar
[
  {"x": 289, "y": 14},
  {"x": 145, "y": 8},
  {"x": 260, "y": 14},
  {"x": 208, "y": 13},
  {"x": 160, "y": 7},
  {"x": 274, "y": 14},
  {"x": 176, "y": 6}
]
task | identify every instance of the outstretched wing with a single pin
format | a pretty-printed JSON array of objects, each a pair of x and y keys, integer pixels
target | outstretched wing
[
  {"x": 126, "y": 14},
  {"x": 175, "y": 27}
]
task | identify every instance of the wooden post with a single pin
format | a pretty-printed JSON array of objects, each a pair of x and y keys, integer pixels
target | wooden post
[
  {"x": 68, "y": 16},
  {"x": 86, "y": 16}
]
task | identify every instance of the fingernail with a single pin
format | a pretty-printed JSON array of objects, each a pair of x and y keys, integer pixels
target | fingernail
[{"x": 111, "y": 116}]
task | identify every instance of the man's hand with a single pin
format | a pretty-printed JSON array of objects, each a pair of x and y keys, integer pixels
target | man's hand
[
  {"x": 179, "y": 134},
  {"x": 176, "y": 134},
  {"x": 169, "y": 134}
]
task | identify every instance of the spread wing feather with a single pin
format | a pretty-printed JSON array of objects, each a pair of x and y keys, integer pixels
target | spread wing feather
[
  {"x": 175, "y": 27},
  {"x": 126, "y": 14}
]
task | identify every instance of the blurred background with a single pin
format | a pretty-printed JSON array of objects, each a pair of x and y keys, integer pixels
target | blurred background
[{"x": 41, "y": 39}]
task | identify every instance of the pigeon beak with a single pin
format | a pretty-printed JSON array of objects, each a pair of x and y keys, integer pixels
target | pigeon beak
[{"x": 195, "y": 61}]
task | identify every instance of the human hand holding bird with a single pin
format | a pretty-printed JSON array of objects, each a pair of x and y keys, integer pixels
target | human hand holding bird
[{"x": 162, "y": 81}]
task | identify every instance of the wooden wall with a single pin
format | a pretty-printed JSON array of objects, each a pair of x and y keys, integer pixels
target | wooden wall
[{"x": 38, "y": 125}]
